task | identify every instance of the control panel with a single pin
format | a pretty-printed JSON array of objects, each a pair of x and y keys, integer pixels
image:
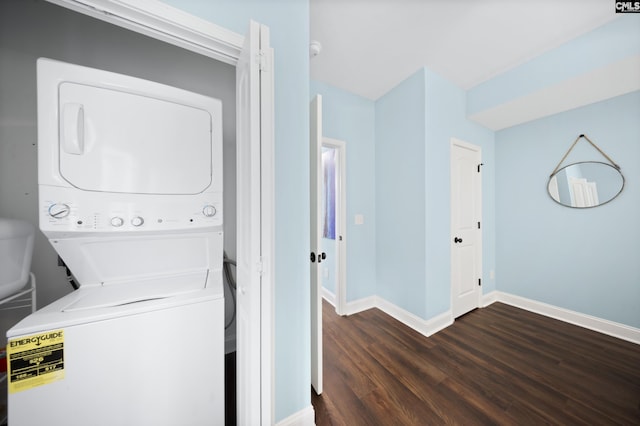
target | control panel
[{"x": 67, "y": 210}]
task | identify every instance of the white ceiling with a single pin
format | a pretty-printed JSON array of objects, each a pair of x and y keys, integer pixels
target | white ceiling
[{"x": 369, "y": 46}]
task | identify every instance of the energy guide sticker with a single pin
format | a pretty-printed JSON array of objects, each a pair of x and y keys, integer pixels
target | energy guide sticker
[{"x": 35, "y": 360}]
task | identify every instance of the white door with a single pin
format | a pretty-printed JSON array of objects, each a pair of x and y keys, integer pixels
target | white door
[
  {"x": 315, "y": 191},
  {"x": 466, "y": 232},
  {"x": 254, "y": 85}
]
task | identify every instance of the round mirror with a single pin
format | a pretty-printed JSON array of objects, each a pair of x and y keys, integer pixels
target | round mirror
[{"x": 586, "y": 184}]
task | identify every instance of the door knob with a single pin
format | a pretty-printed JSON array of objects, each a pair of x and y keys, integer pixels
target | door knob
[
  {"x": 320, "y": 257},
  {"x": 457, "y": 240}
]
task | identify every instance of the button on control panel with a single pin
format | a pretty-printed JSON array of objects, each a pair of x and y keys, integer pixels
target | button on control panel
[{"x": 137, "y": 221}]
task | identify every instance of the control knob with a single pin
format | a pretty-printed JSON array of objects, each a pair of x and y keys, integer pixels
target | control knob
[
  {"x": 59, "y": 210},
  {"x": 117, "y": 221},
  {"x": 137, "y": 221},
  {"x": 209, "y": 210}
]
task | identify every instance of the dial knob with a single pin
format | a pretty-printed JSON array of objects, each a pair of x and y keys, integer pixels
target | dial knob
[
  {"x": 59, "y": 210},
  {"x": 137, "y": 221},
  {"x": 209, "y": 210},
  {"x": 117, "y": 221}
]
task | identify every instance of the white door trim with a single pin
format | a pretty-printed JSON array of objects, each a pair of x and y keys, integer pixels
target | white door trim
[
  {"x": 166, "y": 23},
  {"x": 163, "y": 22},
  {"x": 477, "y": 214},
  {"x": 341, "y": 228},
  {"x": 267, "y": 212}
]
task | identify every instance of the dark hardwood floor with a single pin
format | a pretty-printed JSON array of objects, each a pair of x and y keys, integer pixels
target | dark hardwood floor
[{"x": 497, "y": 365}]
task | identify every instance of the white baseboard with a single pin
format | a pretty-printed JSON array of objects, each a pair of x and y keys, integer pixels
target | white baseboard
[
  {"x": 361, "y": 305},
  {"x": 430, "y": 326},
  {"x": 611, "y": 328},
  {"x": 422, "y": 326},
  {"x": 488, "y": 299},
  {"x": 329, "y": 296},
  {"x": 304, "y": 417}
]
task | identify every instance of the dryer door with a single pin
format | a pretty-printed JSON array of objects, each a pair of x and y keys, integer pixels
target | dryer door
[{"x": 125, "y": 142}]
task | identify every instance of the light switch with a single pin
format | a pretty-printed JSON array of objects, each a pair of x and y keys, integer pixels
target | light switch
[{"x": 359, "y": 219}]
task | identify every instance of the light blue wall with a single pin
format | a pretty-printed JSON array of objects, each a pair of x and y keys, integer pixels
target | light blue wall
[
  {"x": 351, "y": 119},
  {"x": 413, "y": 123},
  {"x": 400, "y": 195},
  {"x": 584, "y": 260},
  {"x": 609, "y": 43},
  {"x": 413, "y": 126},
  {"x": 288, "y": 22},
  {"x": 444, "y": 119}
]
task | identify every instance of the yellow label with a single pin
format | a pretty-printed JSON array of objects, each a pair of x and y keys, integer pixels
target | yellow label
[{"x": 35, "y": 360}]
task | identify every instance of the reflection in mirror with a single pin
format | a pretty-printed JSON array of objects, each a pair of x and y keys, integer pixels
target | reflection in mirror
[{"x": 585, "y": 184}]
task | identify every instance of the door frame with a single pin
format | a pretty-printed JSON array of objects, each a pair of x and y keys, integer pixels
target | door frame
[
  {"x": 174, "y": 26},
  {"x": 478, "y": 216},
  {"x": 341, "y": 223}
]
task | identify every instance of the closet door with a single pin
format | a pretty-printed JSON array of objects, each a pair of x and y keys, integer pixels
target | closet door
[
  {"x": 254, "y": 150},
  {"x": 466, "y": 232}
]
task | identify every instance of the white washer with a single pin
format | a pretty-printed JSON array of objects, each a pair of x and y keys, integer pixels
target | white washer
[{"x": 130, "y": 180}]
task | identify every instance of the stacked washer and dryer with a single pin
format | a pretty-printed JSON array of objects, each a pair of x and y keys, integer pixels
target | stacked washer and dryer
[{"x": 130, "y": 197}]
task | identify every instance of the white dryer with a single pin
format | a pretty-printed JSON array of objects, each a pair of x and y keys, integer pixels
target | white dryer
[{"x": 130, "y": 181}]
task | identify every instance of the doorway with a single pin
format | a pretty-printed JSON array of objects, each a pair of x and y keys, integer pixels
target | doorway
[
  {"x": 327, "y": 166},
  {"x": 334, "y": 230},
  {"x": 466, "y": 227}
]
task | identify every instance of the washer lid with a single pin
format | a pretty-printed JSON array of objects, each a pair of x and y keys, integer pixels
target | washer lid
[
  {"x": 126, "y": 293},
  {"x": 110, "y": 259},
  {"x": 101, "y": 303}
]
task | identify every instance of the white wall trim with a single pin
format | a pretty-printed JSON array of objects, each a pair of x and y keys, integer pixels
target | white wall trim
[
  {"x": 428, "y": 327},
  {"x": 304, "y": 417},
  {"x": 361, "y": 305},
  {"x": 611, "y": 328},
  {"x": 422, "y": 326},
  {"x": 329, "y": 296},
  {"x": 163, "y": 22},
  {"x": 487, "y": 299}
]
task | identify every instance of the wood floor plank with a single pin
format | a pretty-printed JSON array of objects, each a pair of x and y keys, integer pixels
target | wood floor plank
[{"x": 497, "y": 365}]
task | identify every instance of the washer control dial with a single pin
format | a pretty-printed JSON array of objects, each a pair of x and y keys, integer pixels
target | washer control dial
[
  {"x": 137, "y": 221},
  {"x": 59, "y": 210},
  {"x": 209, "y": 210},
  {"x": 117, "y": 221}
]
